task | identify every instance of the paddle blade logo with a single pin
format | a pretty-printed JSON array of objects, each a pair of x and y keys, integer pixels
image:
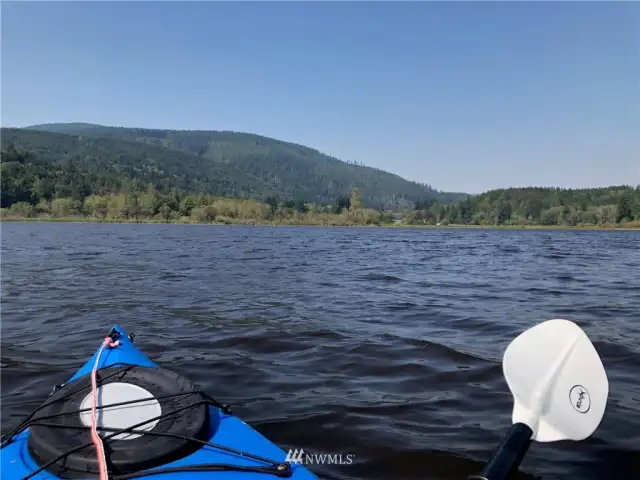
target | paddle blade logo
[
  {"x": 299, "y": 457},
  {"x": 580, "y": 399}
]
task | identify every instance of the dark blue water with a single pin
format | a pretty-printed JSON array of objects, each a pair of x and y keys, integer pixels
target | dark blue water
[{"x": 382, "y": 343}]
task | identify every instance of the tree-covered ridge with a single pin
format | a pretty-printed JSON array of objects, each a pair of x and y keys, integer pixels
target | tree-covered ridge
[
  {"x": 42, "y": 165},
  {"x": 107, "y": 178},
  {"x": 292, "y": 170},
  {"x": 537, "y": 206}
]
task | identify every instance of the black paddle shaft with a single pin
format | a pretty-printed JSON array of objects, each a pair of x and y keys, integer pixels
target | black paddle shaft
[{"x": 509, "y": 455}]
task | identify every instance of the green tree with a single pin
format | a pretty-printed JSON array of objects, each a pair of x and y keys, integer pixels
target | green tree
[
  {"x": 503, "y": 211},
  {"x": 343, "y": 201},
  {"x": 61, "y": 207},
  {"x": 273, "y": 203},
  {"x": 131, "y": 207},
  {"x": 301, "y": 206},
  {"x": 22, "y": 209},
  {"x": 624, "y": 208},
  {"x": 354, "y": 203},
  {"x": 187, "y": 204},
  {"x": 148, "y": 204},
  {"x": 165, "y": 212}
]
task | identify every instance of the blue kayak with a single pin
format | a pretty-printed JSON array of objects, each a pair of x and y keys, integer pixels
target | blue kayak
[{"x": 154, "y": 424}]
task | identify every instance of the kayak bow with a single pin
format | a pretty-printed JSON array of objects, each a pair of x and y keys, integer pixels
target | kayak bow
[{"x": 153, "y": 423}]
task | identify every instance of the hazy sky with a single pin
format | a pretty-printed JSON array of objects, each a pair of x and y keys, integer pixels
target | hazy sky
[{"x": 464, "y": 96}]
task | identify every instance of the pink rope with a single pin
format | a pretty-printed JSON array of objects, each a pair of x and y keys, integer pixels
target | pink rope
[{"x": 95, "y": 438}]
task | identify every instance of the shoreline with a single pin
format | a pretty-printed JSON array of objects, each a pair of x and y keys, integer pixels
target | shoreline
[{"x": 311, "y": 224}]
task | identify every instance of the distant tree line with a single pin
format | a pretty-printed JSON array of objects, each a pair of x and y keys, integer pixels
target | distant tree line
[
  {"x": 33, "y": 187},
  {"x": 177, "y": 206},
  {"x": 536, "y": 206}
]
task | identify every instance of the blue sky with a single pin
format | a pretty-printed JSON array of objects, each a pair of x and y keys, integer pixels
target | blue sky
[{"x": 463, "y": 96}]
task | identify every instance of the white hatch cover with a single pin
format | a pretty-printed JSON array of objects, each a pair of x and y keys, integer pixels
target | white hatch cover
[{"x": 122, "y": 416}]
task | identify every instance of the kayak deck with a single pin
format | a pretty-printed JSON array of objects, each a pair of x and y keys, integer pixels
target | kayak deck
[{"x": 228, "y": 432}]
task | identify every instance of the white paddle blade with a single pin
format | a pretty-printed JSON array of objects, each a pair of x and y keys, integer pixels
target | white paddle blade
[{"x": 558, "y": 382}]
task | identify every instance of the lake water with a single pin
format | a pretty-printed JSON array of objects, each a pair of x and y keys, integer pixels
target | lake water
[{"x": 384, "y": 343}]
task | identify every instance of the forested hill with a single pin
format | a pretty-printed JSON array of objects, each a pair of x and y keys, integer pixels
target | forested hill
[
  {"x": 183, "y": 172},
  {"x": 288, "y": 170},
  {"x": 43, "y": 165}
]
